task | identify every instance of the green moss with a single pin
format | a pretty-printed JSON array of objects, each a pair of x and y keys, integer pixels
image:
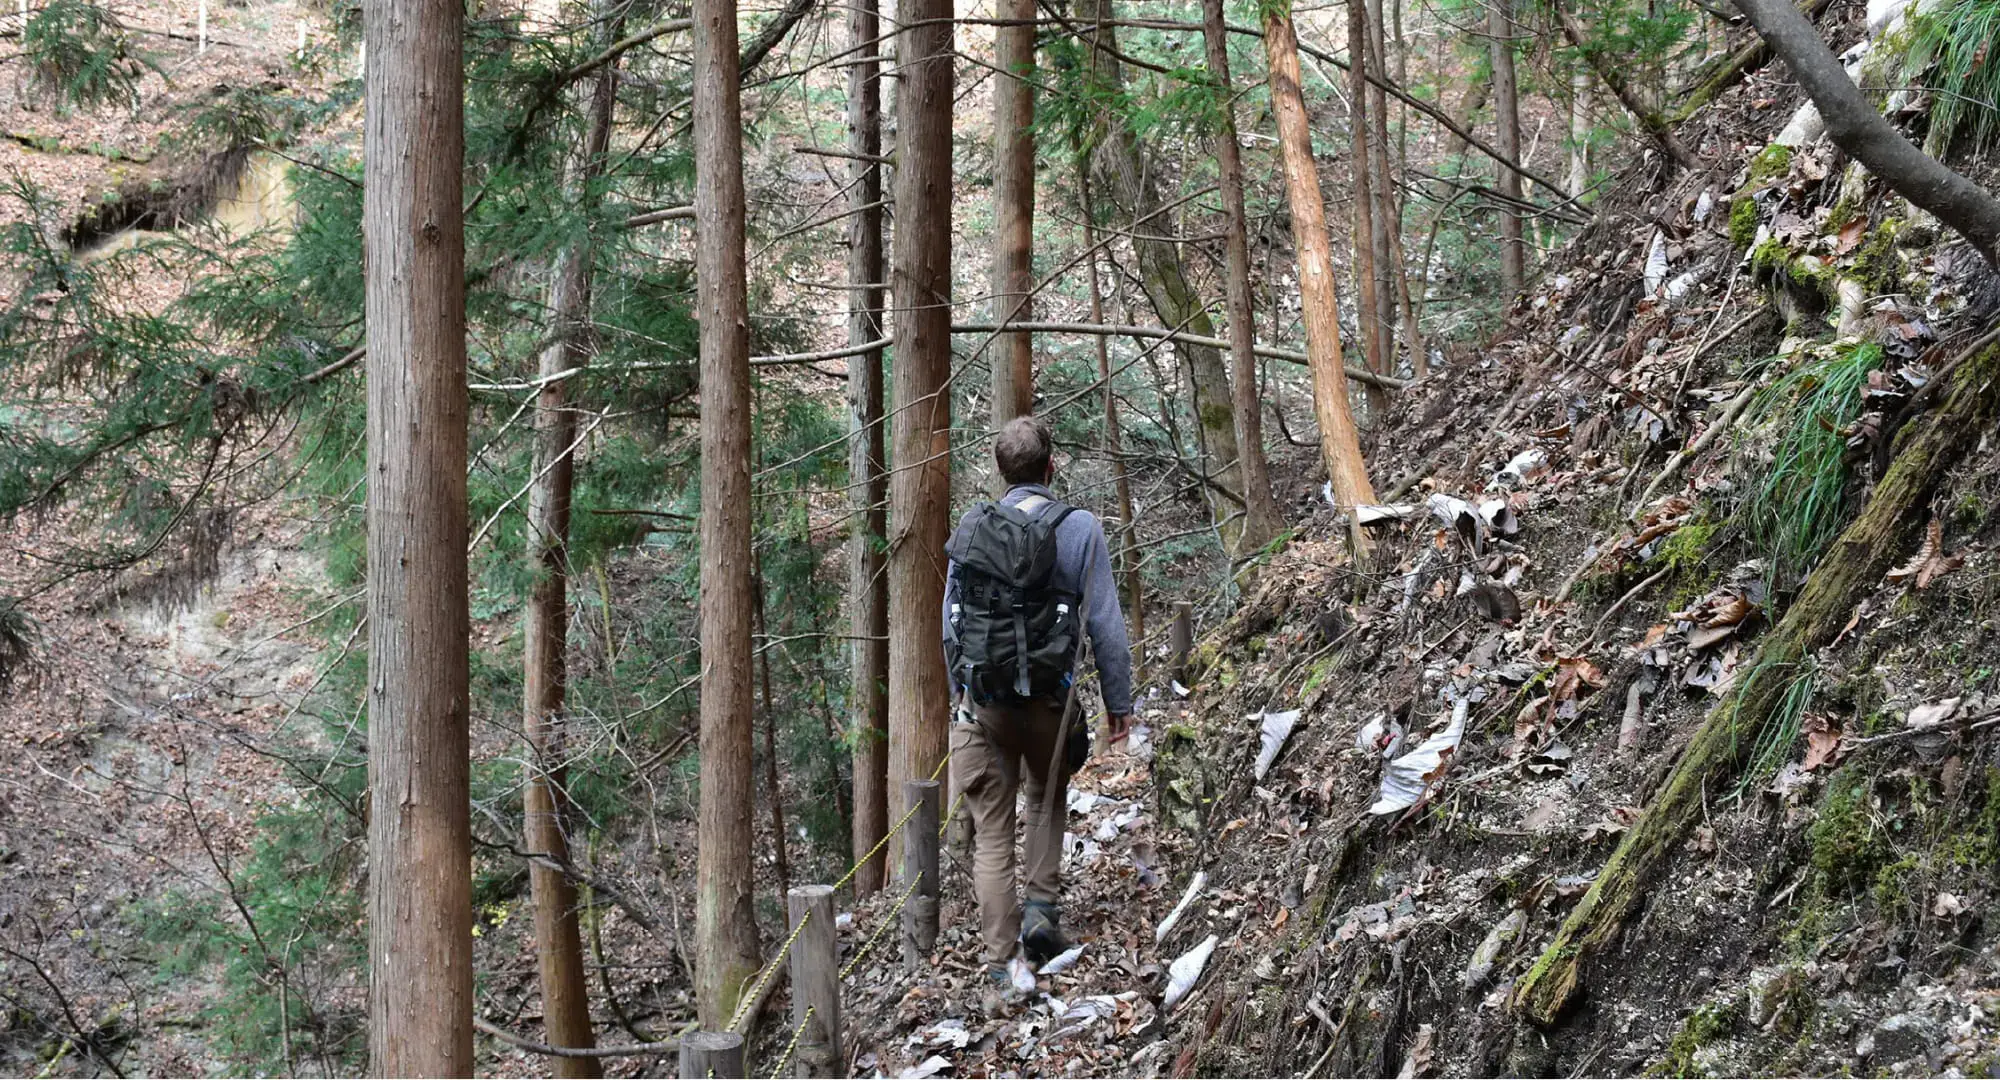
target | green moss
[
  {"x": 1704, "y": 1026},
  {"x": 1847, "y": 849},
  {"x": 1771, "y": 163},
  {"x": 1876, "y": 263},
  {"x": 1743, "y": 222},
  {"x": 1685, "y": 555}
]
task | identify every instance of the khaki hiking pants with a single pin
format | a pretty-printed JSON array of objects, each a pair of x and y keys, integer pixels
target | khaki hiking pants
[{"x": 989, "y": 755}]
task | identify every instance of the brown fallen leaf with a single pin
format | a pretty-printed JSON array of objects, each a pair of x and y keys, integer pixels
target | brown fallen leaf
[
  {"x": 1930, "y": 562},
  {"x": 1850, "y": 236},
  {"x": 1822, "y": 741},
  {"x": 1709, "y": 637}
]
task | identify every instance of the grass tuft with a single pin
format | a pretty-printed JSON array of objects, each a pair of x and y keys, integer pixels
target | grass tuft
[
  {"x": 1800, "y": 502},
  {"x": 1951, "y": 51}
]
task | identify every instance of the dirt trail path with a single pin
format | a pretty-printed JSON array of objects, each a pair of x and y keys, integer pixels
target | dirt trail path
[{"x": 1098, "y": 1016}]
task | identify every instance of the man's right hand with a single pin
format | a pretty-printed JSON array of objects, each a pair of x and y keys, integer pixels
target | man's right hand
[{"x": 1118, "y": 729}]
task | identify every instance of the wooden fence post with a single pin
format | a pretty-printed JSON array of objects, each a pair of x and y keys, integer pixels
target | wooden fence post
[
  {"x": 712, "y": 1053},
  {"x": 920, "y": 865},
  {"x": 1181, "y": 641},
  {"x": 815, "y": 969}
]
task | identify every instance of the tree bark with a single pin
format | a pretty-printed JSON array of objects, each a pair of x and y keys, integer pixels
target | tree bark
[
  {"x": 1340, "y": 445},
  {"x": 1579, "y": 133},
  {"x": 726, "y": 949},
  {"x": 419, "y": 826},
  {"x": 868, "y": 485},
  {"x": 1384, "y": 222},
  {"x": 1013, "y": 356},
  {"x": 545, "y": 635},
  {"x": 1261, "y": 520},
  {"x": 920, "y": 488},
  {"x": 774, "y": 792},
  {"x": 1368, "y": 310},
  {"x": 1120, "y": 162},
  {"x": 1860, "y": 130},
  {"x": 1507, "y": 135}
]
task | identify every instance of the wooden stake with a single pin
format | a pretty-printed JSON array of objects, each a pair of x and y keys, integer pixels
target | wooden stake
[
  {"x": 815, "y": 971},
  {"x": 711, "y": 1053},
  {"x": 920, "y": 865}
]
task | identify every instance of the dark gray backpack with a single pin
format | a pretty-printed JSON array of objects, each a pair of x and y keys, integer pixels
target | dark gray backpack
[{"x": 1014, "y": 634}]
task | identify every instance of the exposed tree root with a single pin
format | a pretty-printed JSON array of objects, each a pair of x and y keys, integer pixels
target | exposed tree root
[{"x": 1855, "y": 564}]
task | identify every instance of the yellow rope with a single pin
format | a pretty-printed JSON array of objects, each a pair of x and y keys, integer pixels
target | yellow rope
[
  {"x": 794, "y": 1044},
  {"x": 905, "y": 820},
  {"x": 887, "y": 921},
  {"x": 771, "y": 969}
]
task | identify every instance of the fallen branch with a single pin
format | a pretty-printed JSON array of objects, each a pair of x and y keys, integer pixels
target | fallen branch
[
  {"x": 669, "y": 1046},
  {"x": 1852, "y": 566},
  {"x": 1708, "y": 438}
]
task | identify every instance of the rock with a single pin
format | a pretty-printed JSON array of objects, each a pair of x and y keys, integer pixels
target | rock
[{"x": 1901, "y": 1038}]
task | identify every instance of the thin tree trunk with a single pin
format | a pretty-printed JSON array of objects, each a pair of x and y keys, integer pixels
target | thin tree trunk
[
  {"x": 1114, "y": 443},
  {"x": 726, "y": 948},
  {"x": 1013, "y": 356},
  {"x": 1340, "y": 444},
  {"x": 773, "y": 788},
  {"x": 1579, "y": 133},
  {"x": 920, "y": 487},
  {"x": 868, "y": 485},
  {"x": 1261, "y": 521},
  {"x": 1389, "y": 199},
  {"x": 1507, "y": 136},
  {"x": 1368, "y": 311},
  {"x": 419, "y": 825},
  {"x": 1120, "y": 162},
  {"x": 545, "y": 636},
  {"x": 1858, "y": 128}
]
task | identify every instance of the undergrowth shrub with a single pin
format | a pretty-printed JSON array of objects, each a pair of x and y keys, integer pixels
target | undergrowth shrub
[{"x": 1950, "y": 51}]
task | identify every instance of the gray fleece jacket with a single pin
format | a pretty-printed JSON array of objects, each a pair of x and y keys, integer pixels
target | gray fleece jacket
[{"x": 1083, "y": 557}]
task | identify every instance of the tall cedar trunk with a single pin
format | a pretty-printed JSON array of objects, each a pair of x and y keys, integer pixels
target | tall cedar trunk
[
  {"x": 1858, "y": 128},
  {"x": 1120, "y": 162},
  {"x": 1339, "y": 444},
  {"x": 545, "y": 644},
  {"x": 1389, "y": 205},
  {"x": 1382, "y": 221},
  {"x": 920, "y": 486},
  {"x": 1507, "y": 137},
  {"x": 726, "y": 952},
  {"x": 1368, "y": 312},
  {"x": 419, "y": 826},
  {"x": 1013, "y": 356},
  {"x": 868, "y": 486},
  {"x": 1114, "y": 443},
  {"x": 1262, "y": 521}
]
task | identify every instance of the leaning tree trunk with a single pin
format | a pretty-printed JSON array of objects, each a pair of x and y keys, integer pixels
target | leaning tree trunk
[
  {"x": 1114, "y": 443},
  {"x": 867, "y": 484},
  {"x": 545, "y": 635},
  {"x": 1507, "y": 136},
  {"x": 1859, "y": 129},
  {"x": 726, "y": 950},
  {"x": 1013, "y": 356},
  {"x": 1851, "y": 568},
  {"x": 1261, "y": 519},
  {"x": 920, "y": 487},
  {"x": 1120, "y": 162},
  {"x": 419, "y": 825},
  {"x": 1340, "y": 445}
]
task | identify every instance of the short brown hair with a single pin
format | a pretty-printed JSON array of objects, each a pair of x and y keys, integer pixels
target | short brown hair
[{"x": 1022, "y": 450}]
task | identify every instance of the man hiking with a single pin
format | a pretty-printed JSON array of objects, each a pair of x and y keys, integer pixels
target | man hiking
[{"x": 1028, "y": 576}]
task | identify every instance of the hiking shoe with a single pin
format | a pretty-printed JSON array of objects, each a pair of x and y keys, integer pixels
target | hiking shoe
[
  {"x": 1007, "y": 985},
  {"x": 1041, "y": 932}
]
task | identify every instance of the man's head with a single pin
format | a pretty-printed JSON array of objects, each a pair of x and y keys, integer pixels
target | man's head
[{"x": 1023, "y": 450}]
